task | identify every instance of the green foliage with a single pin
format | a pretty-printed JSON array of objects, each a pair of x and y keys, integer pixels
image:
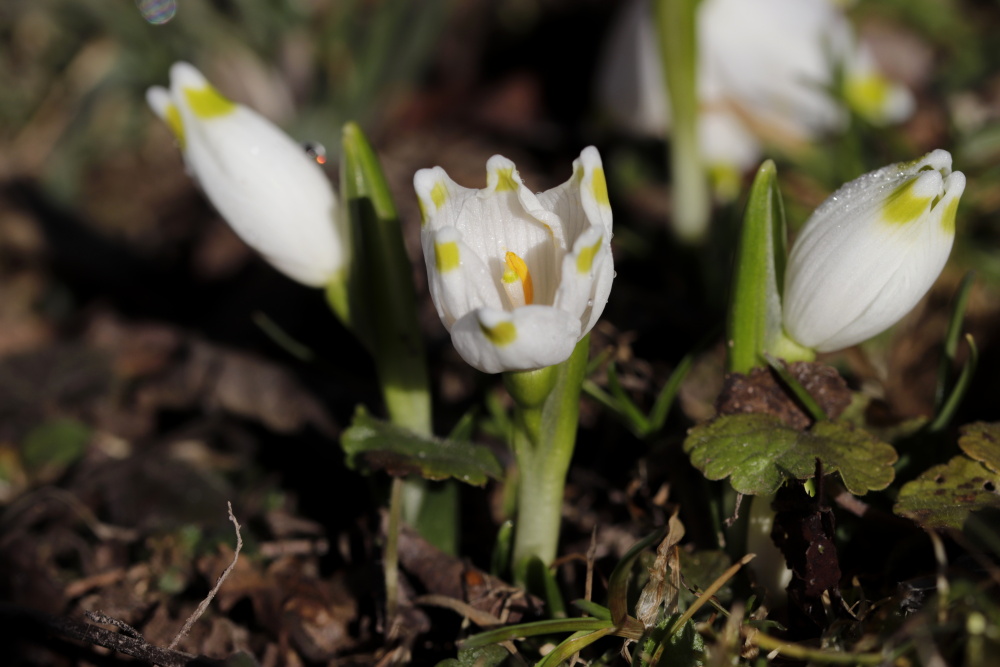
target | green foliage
[
  {"x": 945, "y": 495},
  {"x": 759, "y": 452},
  {"x": 55, "y": 445},
  {"x": 981, "y": 441},
  {"x": 754, "y": 323},
  {"x": 372, "y": 444},
  {"x": 665, "y": 645},
  {"x": 479, "y": 656}
]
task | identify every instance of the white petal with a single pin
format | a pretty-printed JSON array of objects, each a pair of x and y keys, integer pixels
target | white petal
[
  {"x": 726, "y": 141},
  {"x": 587, "y": 274},
  {"x": 530, "y": 337},
  {"x": 857, "y": 267},
  {"x": 273, "y": 195},
  {"x": 630, "y": 82},
  {"x": 459, "y": 280}
]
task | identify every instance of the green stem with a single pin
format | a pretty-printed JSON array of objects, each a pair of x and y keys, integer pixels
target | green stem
[
  {"x": 391, "y": 565},
  {"x": 545, "y": 422},
  {"x": 677, "y": 27}
]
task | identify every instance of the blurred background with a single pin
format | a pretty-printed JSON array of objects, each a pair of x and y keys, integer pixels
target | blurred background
[{"x": 151, "y": 366}]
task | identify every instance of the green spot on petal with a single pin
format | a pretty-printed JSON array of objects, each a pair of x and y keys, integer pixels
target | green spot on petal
[
  {"x": 585, "y": 260},
  {"x": 510, "y": 276},
  {"x": 446, "y": 256},
  {"x": 500, "y": 335},
  {"x": 867, "y": 95},
  {"x": 599, "y": 187},
  {"x": 439, "y": 194},
  {"x": 902, "y": 206},
  {"x": 208, "y": 103},
  {"x": 505, "y": 180},
  {"x": 175, "y": 124},
  {"x": 948, "y": 216},
  {"x": 423, "y": 211}
]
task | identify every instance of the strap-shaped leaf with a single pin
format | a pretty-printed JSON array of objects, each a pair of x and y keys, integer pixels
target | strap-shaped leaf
[{"x": 758, "y": 452}]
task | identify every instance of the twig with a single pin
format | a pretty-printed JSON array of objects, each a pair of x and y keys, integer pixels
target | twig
[
  {"x": 21, "y": 623},
  {"x": 218, "y": 584},
  {"x": 102, "y": 618}
]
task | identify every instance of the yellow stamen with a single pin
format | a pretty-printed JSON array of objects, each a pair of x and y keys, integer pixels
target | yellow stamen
[{"x": 516, "y": 265}]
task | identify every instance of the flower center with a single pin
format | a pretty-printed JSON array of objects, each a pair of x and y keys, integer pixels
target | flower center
[{"x": 516, "y": 281}]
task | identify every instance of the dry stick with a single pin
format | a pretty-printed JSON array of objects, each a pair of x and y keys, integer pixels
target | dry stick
[
  {"x": 28, "y": 624},
  {"x": 218, "y": 584}
]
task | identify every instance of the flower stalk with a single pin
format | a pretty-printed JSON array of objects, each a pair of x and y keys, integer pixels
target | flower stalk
[
  {"x": 675, "y": 21},
  {"x": 547, "y": 409}
]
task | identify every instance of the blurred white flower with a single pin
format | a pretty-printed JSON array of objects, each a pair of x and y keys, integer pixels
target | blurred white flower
[
  {"x": 765, "y": 73},
  {"x": 266, "y": 186},
  {"x": 870, "y": 252},
  {"x": 517, "y": 278}
]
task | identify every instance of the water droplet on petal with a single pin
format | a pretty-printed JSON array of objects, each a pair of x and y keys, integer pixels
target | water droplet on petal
[
  {"x": 157, "y": 12},
  {"x": 315, "y": 150}
]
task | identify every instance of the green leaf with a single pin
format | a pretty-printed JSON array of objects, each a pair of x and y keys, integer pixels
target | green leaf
[
  {"x": 382, "y": 296},
  {"x": 573, "y": 644},
  {"x": 944, "y": 496},
  {"x": 54, "y": 445},
  {"x": 758, "y": 274},
  {"x": 372, "y": 444},
  {"x": 759, "y": 452},
  {"x": 534, "y": 629},
  {"x": 660, "y": 646},
  {"x": 480, "y": 656},
  {"x": 981, "y": 441}
]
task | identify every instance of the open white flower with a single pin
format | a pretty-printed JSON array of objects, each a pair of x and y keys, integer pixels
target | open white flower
[
  {"x": 870, "y": 252},
  {"x": 262, "y": 182},
  {"x": 765, "y": 71},
  {"x": 517, "y": 278}
]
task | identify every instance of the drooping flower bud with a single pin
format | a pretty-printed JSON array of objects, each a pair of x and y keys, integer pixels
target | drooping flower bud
[
  {"x": 266, "y": 186},
  {"x": 870, "y": 252}
]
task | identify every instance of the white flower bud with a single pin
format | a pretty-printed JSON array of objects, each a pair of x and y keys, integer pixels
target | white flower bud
[
  {"x": 263, "y": 183},
  {"x": 517, "y": 278},
  {"x": 870, "y": 252}
]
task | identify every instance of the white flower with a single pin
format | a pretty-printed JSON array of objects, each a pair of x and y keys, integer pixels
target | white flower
[
  {"x": 870, "y": 252},
  {"x": 517, "y": 278},
  {"x": 262, "y": 182},
  {"x": 765, "y": 70}
]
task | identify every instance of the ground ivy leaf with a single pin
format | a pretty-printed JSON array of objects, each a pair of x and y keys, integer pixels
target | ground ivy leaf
[
  {"x": 981, "y": 441},
  {"x": 945, "y": 495},
  {"x": 758, "y": 452},
  {"x": 372, "y": 444}
]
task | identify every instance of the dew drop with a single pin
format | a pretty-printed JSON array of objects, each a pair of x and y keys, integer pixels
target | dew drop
[
  {"x": 590, "y": 303},
  {"x": 157, "y": 12},
  {"x": 315, "y": 150}
]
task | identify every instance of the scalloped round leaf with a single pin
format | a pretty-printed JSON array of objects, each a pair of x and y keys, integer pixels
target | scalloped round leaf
[
  {"x": 372, "y": 444},
  {"x": 944, "y": 496},
  {"x": 981, "y": 441},
  {"x": 758, "y": 452}
]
